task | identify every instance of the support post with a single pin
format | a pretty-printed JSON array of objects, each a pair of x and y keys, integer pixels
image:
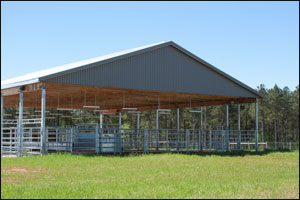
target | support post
[
  {"x": 187, "y": 140},
  {"x": 101, "y": 120},
  {"x": 2, "y": 126},
  {"x": 120, "y": 120},
  {"x": 227, "y": 116},
  {"x": 157, "y": 131},
  {"x": 118, "y": 134},
  {"x": 178, "y": 128},
  {"x": 138, "y": 120},
  {"x": 210, "y": 139},
  {"x": 239, "y": 126},
  {"x": 201, "y": 118},
  {"x": 199, "y": 141},
  {"x": 97, "y": 139},
  {"x": 20, "y": 122},
  {"x": 145, "y": 140},
  {"x": 227, "y": 140},
  {"x": 71, "y": 140},
  {"x": 256, "y": 125},
  {"x": 43, "y": 121},
  {"x": 167, "y": 140},
  {"x": 115, "y": 141}
]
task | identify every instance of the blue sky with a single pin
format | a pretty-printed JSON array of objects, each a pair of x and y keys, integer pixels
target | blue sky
[{"x": 255, "y": 42}]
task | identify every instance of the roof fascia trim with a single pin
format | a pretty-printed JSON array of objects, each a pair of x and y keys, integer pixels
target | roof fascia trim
[{"x": 6, "y": 86}]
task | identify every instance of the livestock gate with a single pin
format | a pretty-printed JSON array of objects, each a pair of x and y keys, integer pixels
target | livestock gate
[{"x": 160, "y": 77}]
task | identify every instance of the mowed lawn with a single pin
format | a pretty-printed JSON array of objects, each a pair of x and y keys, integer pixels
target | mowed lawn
[{"x": 268, "y": 175}]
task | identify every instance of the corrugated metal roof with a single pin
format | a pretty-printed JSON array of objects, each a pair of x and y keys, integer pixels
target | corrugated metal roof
[
  {"x": 35, "y": 76},
  {"x": 85, "y": 64}
]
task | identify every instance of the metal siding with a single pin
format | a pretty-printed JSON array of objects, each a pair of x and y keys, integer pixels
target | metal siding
[{"x": 164, "y": 69}]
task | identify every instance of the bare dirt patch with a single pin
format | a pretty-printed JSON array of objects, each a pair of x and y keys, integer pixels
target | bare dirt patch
[{"x": 15, "y": 169}]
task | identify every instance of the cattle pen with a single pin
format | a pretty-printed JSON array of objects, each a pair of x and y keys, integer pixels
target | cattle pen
[{"x": 163, "y": 77}]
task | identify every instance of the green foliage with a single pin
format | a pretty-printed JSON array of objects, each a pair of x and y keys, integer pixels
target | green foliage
[
  {"x": 152, "y": 176},
  {"x": 278, "y": 116}
]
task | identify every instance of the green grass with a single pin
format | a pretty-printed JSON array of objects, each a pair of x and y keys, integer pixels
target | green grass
[{"x": 263, "y": 175}]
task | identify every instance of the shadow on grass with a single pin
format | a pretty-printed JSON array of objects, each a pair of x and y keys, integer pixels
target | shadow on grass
[{"x": 228, "y": 153}]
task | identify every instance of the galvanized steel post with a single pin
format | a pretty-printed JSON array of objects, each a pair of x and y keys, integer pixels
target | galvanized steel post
[
  {"x": 20, "y": 122},
  {"x": 199, "y": 140},
  {"x": 157, "y": 132},
  {"x": 43, "y": 121},
  {"x": 227, "y": 117},
  {"x": 187, "y": 140},
  {"x": 97, "y": 139},
  {"x": 256, "y": 125},
  {"x": 227, "y": 128},
  {"x": 120, "y": 120},
  {"x": 201, "y": 119},
  {"x": 167, "y": 140},
  {"x": 138, "y": 120},
  {"x": 178, "y": 129},
  {"x": 101, "y": 120},
  {"x": 210, "y": 139},
  {"x": 71, "y": 140},
  {"x": 239, "y": 126},
  {"x": 145, "y": 140},
  {"x": 2, "y": 124}
]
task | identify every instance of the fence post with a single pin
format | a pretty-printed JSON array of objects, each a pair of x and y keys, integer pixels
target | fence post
[
  {"x": 223, "y": 138},
  {"x": 210, "y": 138},
  {"x": 2, "y": 125},
  {"x": 157, "y": 138},
  {"x": 97, "y": 139},
  {"x": 187, "y": 140},
  {"x": 71, "y": 141},
  {"x": 157, "y": 131},
  {"x": 145, "y": 140},
  {"x": 228, "y": 139},
  {"x": 256, "y": 126},
  {"x": 20, "y": 130},
  {"x": 167, "y": 140},
  {"x": 43, "y": 121},
  {"x": 290, "y": 146},
  {"x": 115, "y": 141},
  {"x": 199, "y": 140},
  {"x": 178, "y": 129}
]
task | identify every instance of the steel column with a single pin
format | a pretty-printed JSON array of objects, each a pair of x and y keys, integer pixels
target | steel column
[
  {"x": 256, "y": 125},
  {"x": 145, "y": 140},
  {"x": 2, "y": 125},
  {"x": 178, "y": 128},
  {"x": 20, "y": 122},
  {"x": 43, "y": 121},
  {"x": 210, "y": 145},
  {"x": 227, "y": 117},
  {"x": 97, "y": 139},
  {"x": 120, "y": 120},
  {"x": 187, "y": 140},
  {"x": 201, "y": 119},
  {"x": 101, "y": 120},
  {"x": 138, "y": 120},
  {"x": 239, "y": 126},
  {"x": 227, "y": 128},
  {"x": 157, "y": 126}
]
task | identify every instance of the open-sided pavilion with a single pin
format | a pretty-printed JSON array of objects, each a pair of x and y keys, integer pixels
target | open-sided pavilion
[{"x": 159, "y": 77}]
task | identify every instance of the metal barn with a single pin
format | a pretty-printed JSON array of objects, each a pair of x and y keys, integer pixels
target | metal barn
[{"x": 161, "y": 77}]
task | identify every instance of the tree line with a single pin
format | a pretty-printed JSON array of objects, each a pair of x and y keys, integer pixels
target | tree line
[{"x": 278, "y": 116}]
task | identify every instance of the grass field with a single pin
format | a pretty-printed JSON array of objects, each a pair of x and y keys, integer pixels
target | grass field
[{"x": 252, "y": 175}]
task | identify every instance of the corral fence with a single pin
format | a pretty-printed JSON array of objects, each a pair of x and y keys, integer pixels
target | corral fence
[{"x": 89, "y": 138}]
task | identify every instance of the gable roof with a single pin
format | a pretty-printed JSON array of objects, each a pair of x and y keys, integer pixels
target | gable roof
[{"x": 44, "y": 75}]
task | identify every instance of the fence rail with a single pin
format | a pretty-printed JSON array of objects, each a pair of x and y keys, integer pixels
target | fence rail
[{"x": 89, "y": 138}]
